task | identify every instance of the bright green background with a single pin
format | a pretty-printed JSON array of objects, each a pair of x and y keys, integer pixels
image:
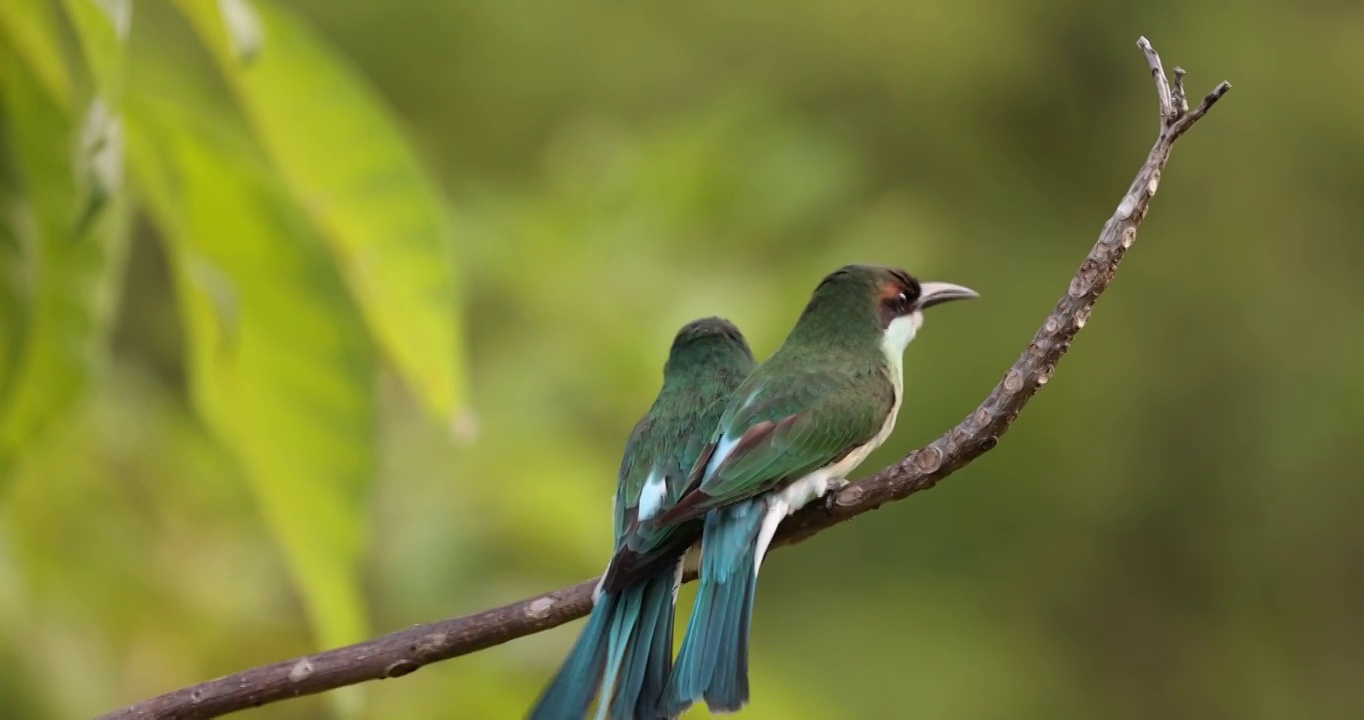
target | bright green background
[{"x": 357, "y": 340}]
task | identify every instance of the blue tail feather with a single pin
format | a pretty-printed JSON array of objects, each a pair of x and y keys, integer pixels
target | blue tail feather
[
  {"x": 570, "y": 693},
  {"x": 648, "y": 658},
  {"x": 728, "y": 689},
  {"x": 713, "y": 662},
  {"x": 659, "y": 665},
  {"x": 623, "y": 622},
  {"x": 619, "y": 655}
]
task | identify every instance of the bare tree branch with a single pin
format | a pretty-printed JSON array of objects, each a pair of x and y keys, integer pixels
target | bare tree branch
[{"x": 402, "y": 652}]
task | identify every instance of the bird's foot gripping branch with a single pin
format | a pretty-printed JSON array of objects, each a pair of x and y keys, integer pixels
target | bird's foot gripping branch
[{"x": 404, "y": 651}]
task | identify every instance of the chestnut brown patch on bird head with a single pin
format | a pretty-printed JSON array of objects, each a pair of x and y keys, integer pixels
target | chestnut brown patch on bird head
[{"x": 897, "y": 295}]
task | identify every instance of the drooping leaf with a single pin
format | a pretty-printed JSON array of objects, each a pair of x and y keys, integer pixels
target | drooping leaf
[
  {"x": 243, "y": 28},
  {"x": 348, "y": 164},
  {"x": 30, "y": 27},
  {"x": 281, "y": 368},
  {"x": 103, "y": 27},
  {"x": 67, "y": 264}
]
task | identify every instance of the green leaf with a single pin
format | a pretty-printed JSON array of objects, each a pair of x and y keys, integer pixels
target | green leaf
[
  {"x": 281, "y": 368},
  {"x": 61, "y": 270},
  {"x": 243, "y": 28},
  {"x": 103, "y": 27},
  {"x": 31, "y": 27},
  {"x": 343, "y": 156}
]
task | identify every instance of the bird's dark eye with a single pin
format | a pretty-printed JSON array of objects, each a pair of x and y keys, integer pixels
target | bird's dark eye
[{"x": 900, "y": 303}]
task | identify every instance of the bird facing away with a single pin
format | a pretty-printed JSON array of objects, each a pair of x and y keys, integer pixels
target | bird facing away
[
  {"x": 791, "y": 432},
  {"x": 625, "y": 651}
]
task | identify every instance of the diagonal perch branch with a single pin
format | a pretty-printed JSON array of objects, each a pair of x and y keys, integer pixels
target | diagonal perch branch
[{"x": 402, "y": 652}]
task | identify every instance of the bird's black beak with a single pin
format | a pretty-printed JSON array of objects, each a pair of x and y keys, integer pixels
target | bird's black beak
[{"x": 937, "y": 293}]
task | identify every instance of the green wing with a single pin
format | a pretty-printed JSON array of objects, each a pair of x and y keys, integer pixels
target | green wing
[
  {"x": 634, "y": 470},
  {"x": 660, "y": 449},
  {"x": 663, "y": 445},
  {"x": 774, "y": 433}
]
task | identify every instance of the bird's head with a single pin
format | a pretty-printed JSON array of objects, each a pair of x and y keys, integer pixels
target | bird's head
[
  {"x": 711, "y": 339},
  {"x": 890, "y": 297}
]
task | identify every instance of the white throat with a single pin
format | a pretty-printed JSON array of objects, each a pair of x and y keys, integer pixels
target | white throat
[{"x": 893, "y": 343}]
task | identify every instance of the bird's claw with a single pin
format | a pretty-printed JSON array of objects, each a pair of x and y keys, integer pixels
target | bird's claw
[
  {"x": 831, "y": 501},
  {"x": 831, "y": 496}
]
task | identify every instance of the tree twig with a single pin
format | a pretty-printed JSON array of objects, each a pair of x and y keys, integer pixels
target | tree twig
[{"x": 402, "y": 652}]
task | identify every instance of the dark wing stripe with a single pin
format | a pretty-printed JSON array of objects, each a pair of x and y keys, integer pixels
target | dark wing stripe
[
  {"x": 689, "y": 506},
  {"x": 698, "y": 470},
  {"x": 749, "y": 440}
]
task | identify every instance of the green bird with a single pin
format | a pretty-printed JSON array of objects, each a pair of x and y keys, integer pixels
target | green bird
[
  {"x": 791, "y": 432},
  {"x": 625, "y": 651}
]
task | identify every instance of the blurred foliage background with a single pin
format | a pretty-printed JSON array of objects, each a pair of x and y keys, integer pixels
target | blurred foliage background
[{"x": 318, "y": 320}]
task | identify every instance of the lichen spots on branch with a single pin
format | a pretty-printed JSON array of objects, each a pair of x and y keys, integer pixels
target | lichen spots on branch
[
  {"x": 539, "y": 608},
  {"x": 1125, "y": 208},
  {"x": 1013, "y": 382},
  {"x": 928, "y": 459},
  {"x": 1153, "y": 183},
  {"x": 1082, "y": 316},
  {"x": 1080, "y": 285},
  {"x": 301, "y": 670},
  {"x": 850, "y": 495},
  {"x": 433, "y": 640},
  {"x": 1129, "y": 236}
]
